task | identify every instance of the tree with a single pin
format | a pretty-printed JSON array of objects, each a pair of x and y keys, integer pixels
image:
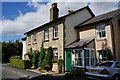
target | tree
[
  {"x": 41, "y": 56},
  {"x": 11, "y": 48},
  {"x": 35, "y": 58},
  {"x": 48, "y": 58}
]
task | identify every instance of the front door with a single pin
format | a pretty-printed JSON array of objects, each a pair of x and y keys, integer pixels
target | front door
[{"x": 68, "y": 60}]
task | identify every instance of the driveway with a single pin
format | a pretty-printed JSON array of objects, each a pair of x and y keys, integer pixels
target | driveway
[{"x": 10, "y": 73}]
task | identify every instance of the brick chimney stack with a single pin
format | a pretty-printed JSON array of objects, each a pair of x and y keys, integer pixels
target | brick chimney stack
[{"x": 54, "y": 12}]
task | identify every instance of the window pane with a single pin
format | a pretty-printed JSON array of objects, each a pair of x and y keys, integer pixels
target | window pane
[
  {"x": 106, "y": 64},
  {"x": 101, "y": 31},
  {"x": 55, "y": 53},
  {"x": 103, "y": 34},
  {"x": 117, "y": 65},
  {"x": 102, "y": 27},
  {"x": 55, "y": 32},
  {"x": 46, "y": 35},
  {"x": 78, "y": 57}
]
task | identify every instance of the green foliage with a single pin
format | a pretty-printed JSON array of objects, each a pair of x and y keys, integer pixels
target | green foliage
[
  {"x": 45, "y": 58},
  {"x": 54, "y": 60},
  {"x": 109, "y": 54},
  {"x": 15, "y": 57},
  {"x": 11, "y": 49},
  {"x": 41, "y": 56},
  {"x": 39, "y": 68},
  {"x": 48, "y": 58},
  {"x": 35, "y": 59},
  {"x": 30, "y": 54},
  {"x": 19, "y": 63},
  {"x": 78, "y": 71},
  {"x": 60, "y": 65}
]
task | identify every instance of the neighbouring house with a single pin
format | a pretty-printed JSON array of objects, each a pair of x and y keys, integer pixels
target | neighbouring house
[
  {"x": 79, "y": 38},
  {"x": 99, "y": 40},
  {"x": 57, "y": 33}
]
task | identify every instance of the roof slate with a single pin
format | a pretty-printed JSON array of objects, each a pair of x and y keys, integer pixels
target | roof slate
[
  {"x": 80, "y": 43},
  {"x": 101, "y": 17},
  {"x": 62, "y": 18}
]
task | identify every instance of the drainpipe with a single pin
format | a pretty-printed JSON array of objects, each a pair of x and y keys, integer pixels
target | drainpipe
[{"x": 113, "y": 42}]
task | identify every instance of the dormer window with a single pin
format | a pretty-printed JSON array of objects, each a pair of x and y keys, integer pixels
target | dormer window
[
  {"x": 55, "y": 32},
  {"x": 101, "y": 32},
  {"x": 46, "y": 35}
]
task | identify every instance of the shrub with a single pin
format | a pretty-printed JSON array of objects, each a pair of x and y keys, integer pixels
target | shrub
[
  {"x": 15, "y": 57},
  {"x": 54, "y": 60},
  {"x": 78, "y": 71},
  {"x": 19, "y": 63},
  {"x": 41, "y": 56},
  {"x": 48, "y": 59},
  {"x": 30, "y": 54},
  {"x": 35, "y": 59},
  {"x": 60, "y": 64}
]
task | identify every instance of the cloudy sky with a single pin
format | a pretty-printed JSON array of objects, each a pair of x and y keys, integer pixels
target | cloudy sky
[{"x": 19, "y": 17}]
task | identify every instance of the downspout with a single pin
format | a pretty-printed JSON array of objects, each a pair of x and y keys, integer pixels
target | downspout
[
  {"x": 64, "y": 44},
  {"x": 113, "y": 40}
]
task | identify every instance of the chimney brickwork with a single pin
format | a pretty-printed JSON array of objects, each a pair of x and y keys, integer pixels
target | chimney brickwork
[{"x": 54, "y": 12}]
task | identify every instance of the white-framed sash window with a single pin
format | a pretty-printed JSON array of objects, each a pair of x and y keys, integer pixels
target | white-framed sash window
[
  {"x": 55, "y": 32},
  {"x": 46, "y": 35},
  {"x": 101, "y": 31},
  {"x": 55, "y": 53}
]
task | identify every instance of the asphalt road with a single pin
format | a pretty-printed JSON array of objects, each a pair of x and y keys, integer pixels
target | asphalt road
[
  {"x": 11, "y": 73},
  {"x": 8, "y": 74}
]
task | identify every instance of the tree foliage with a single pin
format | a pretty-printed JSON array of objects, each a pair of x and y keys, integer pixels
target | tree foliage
[
  {"x": 11, "y": 49},
  {"x": 48, "y": 58},
  {"x": 41, "y": 56}
]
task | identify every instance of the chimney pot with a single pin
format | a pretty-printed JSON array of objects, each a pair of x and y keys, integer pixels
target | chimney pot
[
  {"x": 54, "y": 12},
  {"x": 54, "y": 5},
  {"x": 70, "y": 11}
]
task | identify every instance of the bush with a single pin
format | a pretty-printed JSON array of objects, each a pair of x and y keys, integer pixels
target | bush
[
  {"x": 19, "y": 63},
  {"x": 48, "y": 59},
  {"x": 15, "y": 57},
  {"x": 78, "y": 71},
  {"x": 30, "y": 54},
  {"x": 60, "y": 65},
  {"x": 35, "y": 59},
  {"x": 54, "y": 60}
]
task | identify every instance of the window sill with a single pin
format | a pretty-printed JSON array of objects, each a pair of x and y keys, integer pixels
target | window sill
[
  {"x": 46, "y": 40},
  {"x": 34, "y": 42},
  {"x": 29, "y": 43},
  {"x": 101, "y": 39},
  {"x": 55, "y": 38}
]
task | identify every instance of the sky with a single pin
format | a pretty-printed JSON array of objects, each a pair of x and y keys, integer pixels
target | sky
[{"x": 20, "y": 17}]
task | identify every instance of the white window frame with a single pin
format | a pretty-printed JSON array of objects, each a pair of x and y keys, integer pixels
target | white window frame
[
  {"x": 46, "y": 35},
  {"x": 101, "y": 31},
  {"x": 83, "y": 56},
  {"x": 55, "y": 31},
  {"x": 55, "y": 53},
  {"x": 90, "y": 57}
]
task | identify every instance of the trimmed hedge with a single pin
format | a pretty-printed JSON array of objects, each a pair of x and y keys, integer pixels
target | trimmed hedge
[{"x": 19, "y": 63}]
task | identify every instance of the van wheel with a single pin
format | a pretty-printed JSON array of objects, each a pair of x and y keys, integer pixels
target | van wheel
[{"x": 116, "y": 77}]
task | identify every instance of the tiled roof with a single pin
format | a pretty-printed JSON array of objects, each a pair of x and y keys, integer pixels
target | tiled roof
[
  {"x": 100, "y": 18},
  {"x": 79, "y": 43},
  {"x": 62, "y": 18}
]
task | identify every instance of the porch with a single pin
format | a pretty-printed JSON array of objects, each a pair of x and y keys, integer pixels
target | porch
[{"x": 80, "y": 53}]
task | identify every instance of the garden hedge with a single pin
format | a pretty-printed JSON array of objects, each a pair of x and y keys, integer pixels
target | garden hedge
[{"x": 19, "y": 63}]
